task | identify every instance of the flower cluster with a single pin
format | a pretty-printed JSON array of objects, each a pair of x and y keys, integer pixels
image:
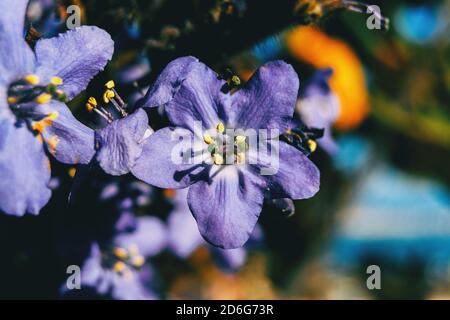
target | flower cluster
[{"x": 229, "y": 147}]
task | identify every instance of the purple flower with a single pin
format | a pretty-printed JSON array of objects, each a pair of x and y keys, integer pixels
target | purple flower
[
  {"x": 184, "y": 237},
  {"x": 318, "y": 107},
  {"x": 33, "y": 121},
  {"x": 121, "y": 270},
  {"x": 225, "y": 194}
]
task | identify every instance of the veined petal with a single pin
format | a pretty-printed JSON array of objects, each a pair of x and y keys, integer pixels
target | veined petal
[
  {"x": 76, "y": 56},
  {"x": 24, "y": 171},
  {"x": 199, "y": 99},
  {"x": 67, "y": 139},
  {"x": 268, "y": 100},
  {"x": 121, "y": 142},
  {"x": 17, "y": 58},
  {"x": 296, "y": 176},
  {"x": 227, "y": 207},
  {"x": 169, "y": 82},
  {"x": 166, "y": 160}
]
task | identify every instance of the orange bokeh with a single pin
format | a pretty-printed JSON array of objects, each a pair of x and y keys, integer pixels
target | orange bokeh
[{"x": 314, "y": 47}]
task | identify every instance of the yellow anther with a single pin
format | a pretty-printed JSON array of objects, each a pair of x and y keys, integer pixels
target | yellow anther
[
  {"x": 89, "y": 107},
  {"x": 44, "y": 98},
  {"x": 240, "y": 158},
  {"x": 32, "y": 79},
  {"x": 92, "y": 101},
  {"x": 72, "y": 172},
  {"x": 236, "y": 80},
  {"x": 218, "y": 159},
  {"x": 108, "y": 95},
  {"x": 312, "y": 145},
  {"x": 120, "y": 253},
  {"x": 208, "y": 139},
  {"x": 56, "y": 81},
  {"x": 138, "y": 261},
  {"x": 240, "y": 139},
  {"x": 52, "y": 115},
  {"x": 119, "y": 266},
  {"x": 12, "y": 100},
  {"x": 110, "y": 84},
  {"x": 52, "y": 142},
  {"x": 220, "y": 128}
]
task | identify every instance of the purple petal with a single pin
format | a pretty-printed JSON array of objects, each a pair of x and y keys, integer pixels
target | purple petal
[
  {"x": 24, "y": 171},
  {"x": 319, "y": 108},
  {"x": 150, "y": 236},
  {"x": 184, "y": 236},
  {"x": 268, "y": 99},
  {"x": 120, "y": 143},
  {"x": 296, "y": 178},
  {"x": 67, "y": 139},
  {"x": 328, "y": 143},
  {"x": 199, "y": 98},
  {"x": 227, "y": 208},
  {"x": 161, "y": 163},
  {"x": 76, "y": 56},
  {"x": 16, "y": 57},
  {"x": 92, "y": 270},
  {"x": 5, "y": 111},
  {"x": 169, "y": 82}
]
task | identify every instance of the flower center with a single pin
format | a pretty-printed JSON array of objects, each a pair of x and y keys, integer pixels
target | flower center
[
  {"x": 23, "y": 94},
  {"x": 124, "y": 261},
  {"x": 226, "y": 148}
]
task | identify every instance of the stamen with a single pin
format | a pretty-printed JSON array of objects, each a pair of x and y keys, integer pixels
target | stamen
[
  {"x": 40, "y": 126},
  {"x": 110, "y": 84},
  {"x": 119, "y": 266},
  {"x": 44, "y": 98},
  {"x": 120, "y": 253},
  {"x": 32, "y": 79},
  {"x": 92, "y": 105},
  {"x": 72, "y": 172},
  {"x": 236, "y": 81},
  {"x": 240, "y": 139},
  {"x": 220, "y": 128},
  {"x": 12, "y": 100},
  {"x": 208, "y": 139},
  {"x": 218, "y": 159},
  {"x": 111, "y": 95},
  {"x": 56, "y": 81},
  {"x": 138, "y": 261},
  {"x": 108, "y": 95},
  {"x": 92, "y": 101},
  {"x": 312, "y": 145}
]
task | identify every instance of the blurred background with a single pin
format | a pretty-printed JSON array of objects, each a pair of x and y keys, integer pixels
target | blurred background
[{"x": 384, "y": 198}]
